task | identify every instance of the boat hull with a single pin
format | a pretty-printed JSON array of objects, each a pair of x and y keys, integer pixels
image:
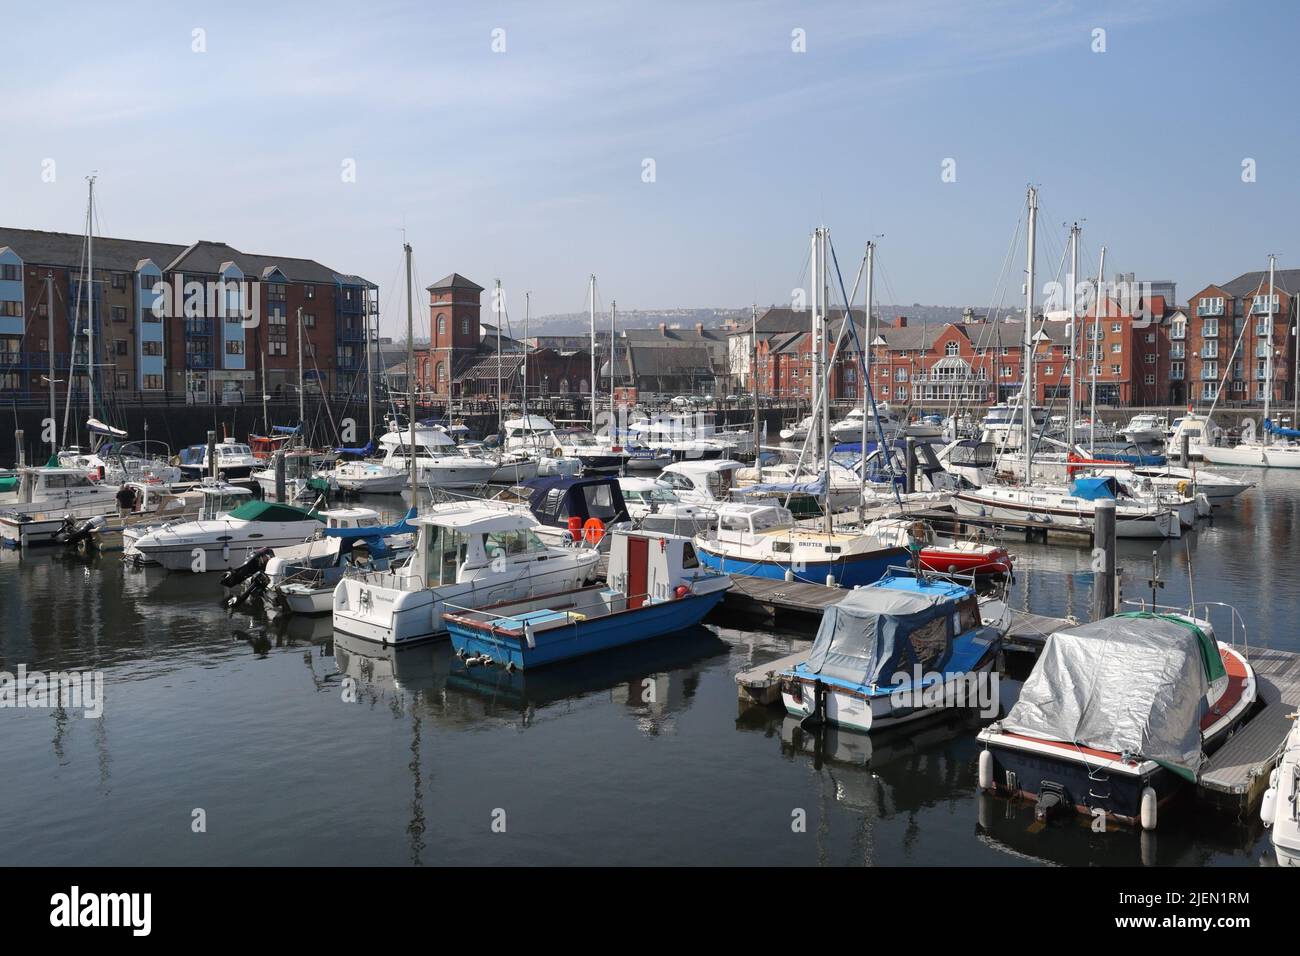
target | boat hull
[
  {"x": 1155, "y": 524},
  {"x": 1254, "y": 456},
  {"x": 584, "y": 637},
  {"x": 854, "y": 571}
]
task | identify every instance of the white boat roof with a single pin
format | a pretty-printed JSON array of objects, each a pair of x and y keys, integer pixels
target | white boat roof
[
  {"x": 705, "y": 466},
  {"x": 631, "y": 483},
  {"x": 224, "y": 489},
  {"x": 534, "y": 423},
  {"x": 477, "y": 518},
  {"x": 423, "y": 436},
  {"x": 349, "y": 513}
]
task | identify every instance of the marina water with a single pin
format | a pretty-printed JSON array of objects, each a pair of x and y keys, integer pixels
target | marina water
[{"x": 229, "y": 739}]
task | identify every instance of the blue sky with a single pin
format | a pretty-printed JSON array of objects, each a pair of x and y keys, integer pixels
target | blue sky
[{"x": 527, "y": 164}]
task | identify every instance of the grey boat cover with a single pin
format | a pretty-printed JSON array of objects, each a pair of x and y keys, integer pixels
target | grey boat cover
[
  {"x": 1129, "y": 684},
  {"x": 878, "y": 631}
]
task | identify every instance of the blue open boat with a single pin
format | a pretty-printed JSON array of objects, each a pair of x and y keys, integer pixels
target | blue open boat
[{"x": 656, "y": 587}]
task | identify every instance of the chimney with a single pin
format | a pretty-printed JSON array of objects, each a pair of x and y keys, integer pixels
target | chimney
[
  {"x": 699, "y": 328},
  {"x": 901, "y": 322},
  {"x": 663, "y": 329}
]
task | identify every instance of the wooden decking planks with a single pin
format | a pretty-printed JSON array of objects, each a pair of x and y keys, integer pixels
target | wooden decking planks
[
  {"x": 760, "y": 684},
  {"x": 1237, "y": 773}
]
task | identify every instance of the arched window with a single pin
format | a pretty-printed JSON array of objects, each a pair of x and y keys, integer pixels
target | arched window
[
  {"x": 442, "y": 324},
  {"x": 582, "y": 386},
  {"x": 564, "y": 386},
  {"x": 442, "y": 374},
  {"x": 950, "y": 348}
]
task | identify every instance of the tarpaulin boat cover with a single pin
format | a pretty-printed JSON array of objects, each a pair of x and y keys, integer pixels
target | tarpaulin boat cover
[
  {"x": 1275, "y": 429},
  {"x": 816, "y": 487},
  {"x": 1093, "y": 489},
  {"x": 1128, "y": 684},
  {"x": 886, "y": 628}
]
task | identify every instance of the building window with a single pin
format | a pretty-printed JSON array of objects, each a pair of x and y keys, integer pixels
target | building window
[
  {"x": 151, "y": 348},
  {"x": 1117, "y": 327},
  {"x": 309, "y": 292},
  {"x": 119, "y": 280},
  {"x": 11, "y": 309},
  {"x": 464, "y": 326},
  {"x": 276, "y": 317},
  {"x": 235, "y": 347},
  {"x": 950, "y": 349},
  {"x": 309, "y": 319},
  {"x": 1149, "y": 379},
  {"x": 1150, "y": 358},
  {"x": 1116, "y": 348},
  {"x": 119, "y": 347},
  {"x": 1114, "y": 370},
  {"x": 119, "y": 313},
  {"x": 278, "y": 347},
  {"x": 121, "y": 381},
  {"x": 9, "y": 272},
  {"x": 1047, "y": 370},
  {"x": 442, "y": 325},
  {"x": 153, "y": 382},
  {"x": 442, "y": 373}
]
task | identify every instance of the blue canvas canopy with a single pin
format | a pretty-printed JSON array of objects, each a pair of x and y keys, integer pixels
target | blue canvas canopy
[
  {"x": 373, "y": 536},
  {"x": 554, "y": 500},
  {"x": 1094, "y": 489},
  {"x": 362, "y": 452},
  {"x": 816, "y": 487},
  {"x": 286, "y": 429},
  {"x": 1273, "y": 429},
  {"x": 886, "y": 629}
]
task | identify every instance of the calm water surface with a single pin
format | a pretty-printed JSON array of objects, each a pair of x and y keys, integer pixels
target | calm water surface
[{"x": 302, "y": 747}]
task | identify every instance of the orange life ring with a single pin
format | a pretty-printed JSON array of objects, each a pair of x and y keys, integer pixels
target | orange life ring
[{"x": 593, "y": 531}]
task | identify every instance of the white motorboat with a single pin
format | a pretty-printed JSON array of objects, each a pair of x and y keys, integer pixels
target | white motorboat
[
  {"x": 798, "y": 431},
  {"x": 233, "y": 460},
  {"x": 1068, "y": 508},
  {"x": 594, "y": 454},
  {"x": 467, "y": 555},
  {"x": 1003, "y": 424},
  {"x": 654, "y": 506},
  {"x": 41, "y": 523},
  {"x": 303, "y": 479},
  {"x": 1200, "y": 431},
  {"x": 1145, "y": 430},
  {"x": 849, "y": 428},
  {"x": 439, "y": 461},
  {"x": 44, "y": 488},
  {"x": 117, "y": 465},
  {"x": 222, "y": 541},
  {"x": 301, "y": 578},
  {"x": 370, "y": 478},
  {"x": 1281, "y": 807}
]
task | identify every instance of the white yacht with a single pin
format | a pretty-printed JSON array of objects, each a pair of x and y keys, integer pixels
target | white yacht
[
  {"x": 1145, "y": 430},
  {"x": 1068, "y": 508},
  {"x": 303, "y": 481},
  {"x": 1003, "y": 424},
  {"x": 370, "y": 478},
  {"x": 51, "y": 487},
  {"x": 1280, "y": 810},
  {"x": 654, "y": 506},
  {"x": 220, "y": 540},
  {"x": 117, "y": 465},
  {"x": 467, "y": 555},
  {"x": 438, "y": 459},
  {"x": 849, "y": 428},
  {"x": 798, "y": 431},
  {"x": 1253, "y": 451},
  {"x": 234, "y": 460}
]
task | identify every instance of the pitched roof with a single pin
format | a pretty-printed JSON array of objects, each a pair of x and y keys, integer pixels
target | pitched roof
[
  {"x": 670, "y": 360},
  {"x": 65, "y": 249},
  {"x": 1248, "y": 283},
  {"x": 454, "y": 281}
]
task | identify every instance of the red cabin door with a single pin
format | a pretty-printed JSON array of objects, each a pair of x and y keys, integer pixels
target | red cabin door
[{"x": 638, "y": 568}]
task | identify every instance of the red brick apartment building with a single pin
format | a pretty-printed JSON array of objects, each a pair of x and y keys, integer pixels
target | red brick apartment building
[
  {"x": 187, "y": 350},
  {"x": 1229, "y": 333}
]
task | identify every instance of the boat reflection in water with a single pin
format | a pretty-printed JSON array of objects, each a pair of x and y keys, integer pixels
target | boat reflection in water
[{"x": 655, "y": 679}]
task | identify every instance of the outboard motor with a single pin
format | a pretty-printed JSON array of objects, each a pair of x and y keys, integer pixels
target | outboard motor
[
  {"x": 83, "y": 537},
  {"x": 1051, "y": 801},
  {"x": 256, "y": 562},
  {"x": 251, "y": 571}
]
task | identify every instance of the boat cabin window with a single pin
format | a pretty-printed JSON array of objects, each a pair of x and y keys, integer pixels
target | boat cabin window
[
  {"x": 689, "y": 558},
  {"x": 511, "y": 543},
  {"x": 773, "y": 518},
  {"x": 600, "y": 501},
  {"x": 680, "y": 482},
  {"x": 446, "y": 553},
  {"x": 229, "y": 451},
  {"x": 553, "y": 504},
  {"x": 719, "y": 483},
  {"x": 733, "y": 523}
]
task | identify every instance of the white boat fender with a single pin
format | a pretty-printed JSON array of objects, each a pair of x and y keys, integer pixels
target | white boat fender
[
  {"x": 986, "y": 770},
  {"x": 1268, "y": 809},
  {"x": 1149, "y": 808},
  {"x": 789, "y": 576},
  {"x": 830, "y": 580}
]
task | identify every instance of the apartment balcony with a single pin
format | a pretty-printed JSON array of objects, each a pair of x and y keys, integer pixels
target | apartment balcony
[
  {"x": 346, "y": 334},
  {"x": 1209, "y": 375},
  {"x": 199, "y": 328},
  {"x": 1175, "y": 376},
  {"x": 1177, "y": 352},
  {"x": 1204, "y": 308},
  {"x": 199, "y": 360}
]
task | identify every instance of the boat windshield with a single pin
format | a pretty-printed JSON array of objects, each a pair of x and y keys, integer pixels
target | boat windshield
[
  {"x": 230, "y": 451},
  {"x": 600, "y": 502},
  {"x": 511, "y": 543},
  {"x": 720, "y": 482}
]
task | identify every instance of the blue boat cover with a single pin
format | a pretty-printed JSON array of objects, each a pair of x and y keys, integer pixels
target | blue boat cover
[
  {"x": 885, "y": 629},
  {"x": 817, "y": 487},
  {"x": 377, "y": 531},
  {"x": 554, "y": 500},
  {"x": 1279, "y": 430},
  {"x": 1093, "y": 489},
  {"x": 362, "y": 452}
]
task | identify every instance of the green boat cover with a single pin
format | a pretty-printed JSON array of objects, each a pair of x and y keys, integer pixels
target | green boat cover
[{"x": 270, "y": 511}]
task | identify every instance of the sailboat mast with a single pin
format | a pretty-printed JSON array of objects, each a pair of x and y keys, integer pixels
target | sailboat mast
[
  {"x": 814, "y": 423},
  {"x": 863, "y": 367},
  {"x": 410, "y": 377},
  {"x": 90, "y": 325},
  {"x": 1268, "y": 359},
  {"x": 753, "y": 381},
  {"x": 370, "y": 367},
  {"x": 1094, "y": 355},
  {"x": 302, "y": 387},
  {"x": 1027, "y": 397},
  {"x": 592, "y": 304},
  {"x": 1074, "y": 330},
  {"x": 499, "y": 313},
  {"x": 523, "y": 398},
  {"x": 825, "y": 379},
  {"x": 49, "y": 318},
  {"x": 613, "y": 324}
]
